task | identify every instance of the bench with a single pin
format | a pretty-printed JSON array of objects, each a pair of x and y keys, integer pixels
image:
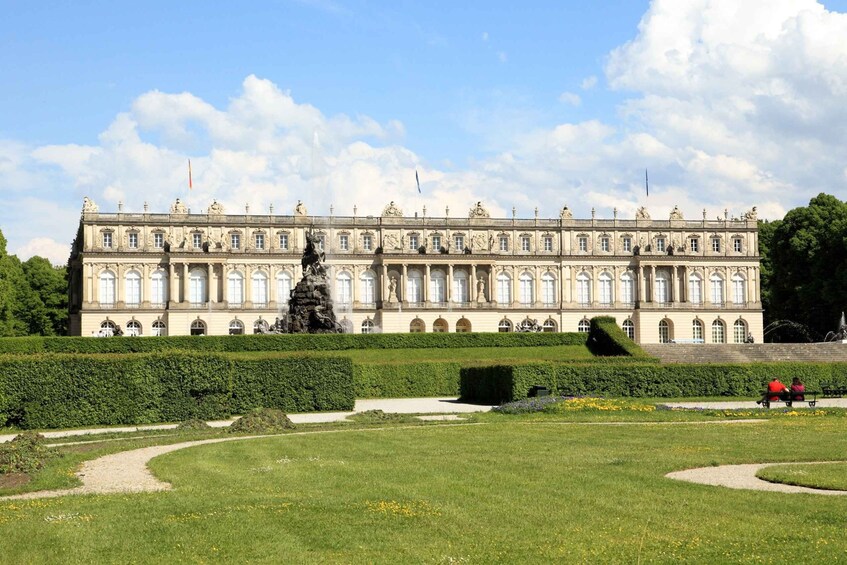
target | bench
[
  {"x": 830, "y": 390},
  {"x": 788, "y": 398}
]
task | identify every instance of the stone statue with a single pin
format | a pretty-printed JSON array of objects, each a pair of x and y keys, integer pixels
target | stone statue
[
  {"x": 566, "y": 213},
  {"x": 478, "y": 211},
  {"x": 216, "y": 209},
  {"x": 178, "y": 207},
  {"x": 313, "y": 258},
  {"x": 751, "y": 214},
  {"x": 88, "y": 206},
  {"x": 392, "y": 211},
  {"x": 642, "y": 213},
  {"x": 480, "y": 290},
  {"x": 392, "y": 290},
  {"x": 676, "y": 214},
  {"x": 299, "y": 209}
]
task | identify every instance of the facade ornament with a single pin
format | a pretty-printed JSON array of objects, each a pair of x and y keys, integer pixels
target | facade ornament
[
  {"x": 88, "y": 206},
  {"x": 676, "y": 214},
  {"x": 392, "y": 211},
  {"x": 642, "y": 213},
  {"x": 178, "y": 207},
  {"x": 479, "y": 242},
  {"x": 215, "y": 209},
  {"x": 390, "y": 241},
  {"x": 480, "y": 290},
  {"x": 566, "y": 213},
  {"x": 299, "y": 209},
  {"x": 392, "y": 290},
  {"x": 751, "y": 214},
  {"x": 478, "y": 211}
]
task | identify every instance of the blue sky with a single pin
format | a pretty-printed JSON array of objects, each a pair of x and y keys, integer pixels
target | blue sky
[{"x": 731, "y": 105}]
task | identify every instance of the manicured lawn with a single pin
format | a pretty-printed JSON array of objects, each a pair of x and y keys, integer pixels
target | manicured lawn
[
  {"x": 511, "y": 489},
  {"x": 827, "y": 476}
]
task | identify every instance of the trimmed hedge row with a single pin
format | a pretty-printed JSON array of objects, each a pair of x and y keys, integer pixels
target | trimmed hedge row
[
  {"x": 58, "y": 391},
  {"x": 505, "y": 383},
  {"x": 606, "y": 338},
  {"x": 287, "y": 342},
  {"x": 407, "y": 380}
]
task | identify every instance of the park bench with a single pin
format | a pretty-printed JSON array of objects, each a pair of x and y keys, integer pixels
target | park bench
[
  {"x": 830, "y": 390},
  {"x": 788, "y": 398}
]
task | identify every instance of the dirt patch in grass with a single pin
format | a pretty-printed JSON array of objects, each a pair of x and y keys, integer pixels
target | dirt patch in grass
[{"x": 13, "y": 480}]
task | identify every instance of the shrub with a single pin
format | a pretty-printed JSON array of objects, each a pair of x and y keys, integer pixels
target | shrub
[
  {"x": 26, "y": 453},
  {"x": 262, "y": 421},
  {"x": 606, "y": 338},
  {"x": 406, "y": 380},
  {"x": 193, "y": 425}
]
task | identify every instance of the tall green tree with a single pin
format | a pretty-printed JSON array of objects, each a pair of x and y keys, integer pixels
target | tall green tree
[
  {"x": 50, "y": 285},
  {"x": 807, "y": 263},
  {"x": 15, "y": 295}
]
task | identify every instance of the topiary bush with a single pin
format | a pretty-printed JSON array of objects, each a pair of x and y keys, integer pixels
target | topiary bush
[
  {"x": 606, "y": 338},
  {"x": 26, "y": 453},
  {"x": 262, "y": 421}
]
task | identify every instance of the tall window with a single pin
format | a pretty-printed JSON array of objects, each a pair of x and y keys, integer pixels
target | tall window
[
  {"x": 584, "y": 326},
  {"x": 716, "y": 245},
  {"x": 436, "y": 242},
  {"x": 694, "y": 244},
  {"x": 716, "y": 282},
  {"x": 583, "y": 289},
  {"x": 627, "y": 289},
  {"x": 344, "y": 288},
  {"x": 235, "y": 288},
  {"x": 604, "y": 244},
  {"x": 695, "y": 289},
  {"x": 437, "y": 286},
  {"x": 260, "y": 240},
  {"x": 504, "y": 326},
  {"x": 627, "y": 244},
  {"x": 459, "y": 242},
  {"x": 583, "y": 244},
  {"x": 697, "y": 331},
  {"x": 661, "y": 294},
  {"x": 197, "y": 287},
  {"x": 260, "y": 289},
  {"x": 158, "y": 240},
  {"x": 107, "y": 288},
  {"x": 736, "y": 245},
  {"x": 133, "y": 328},
  {"x": 548, "y": 289},
  {"x": 368, "y": 287},
  {"x": 548, "y": 243},
  {"x": 413, "y": 241},
  {"x": 504, "y": 289},
  {"x": 132, "y": 282},
  {"x": 367, "y": 242},
  {"x": 605, "y": 280},
  {"x": 368, "y": 327},
  {"x": 660, "y": 244},
  {"x": 664, "y": 332},
  {"x": 197, "y": 240},
  {"x": 524, "y": 243},
  {"x": 321, "y": 242},
  {"x": 460, "y": 286},
  {"x": 718, "y": 333},
  {"x": 133, "y": 240},
  {"x": 414, "y": 288},
  {"x": 159, "y": 328},
  {"x": 738, "y": 289},
  {"x": 526, "y": 289},
  {"x": 283, "y": 288},
  {"x": 739, "y": 331},
  {"x": 629, "y": 329},
  {"x": 235, "y": 243},
  {"x": 504, "y": 243},
  {"x": 107, "y": 240},
  {"x": 159, "y": 288},
  {"x": 344, "y": 242},
  {"x": 283, "y": 241}
]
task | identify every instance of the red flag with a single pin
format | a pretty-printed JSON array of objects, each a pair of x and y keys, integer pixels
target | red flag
[{"x": 190, "y": 184}]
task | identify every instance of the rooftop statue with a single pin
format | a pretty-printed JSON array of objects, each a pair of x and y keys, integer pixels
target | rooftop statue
[
  {"x": 216, "y": 209},
  {"x": 178, "y": 207},
  {"x": 478, "y": 211},
  {"x": 751, "y": 214},
  {"x": 392, "y": 211},
  {"x": 642, "y": 213},
  {"x": 676, "y": 214},
  {"x": 299, "y": 209},
  {"x": 88, "y": 205},
  {"x": 566, "y": 213}
]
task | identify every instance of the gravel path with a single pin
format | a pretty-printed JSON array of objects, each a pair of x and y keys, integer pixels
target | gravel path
[{"x": 744, "y": 477}]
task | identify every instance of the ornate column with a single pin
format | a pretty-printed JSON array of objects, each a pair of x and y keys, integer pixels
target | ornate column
[
  {"x": 686, "y": 274},
  {"x": 145, "y": 284},
  {"x": 186, "y": 296},
  {"x": 449, "y": 289},
  {"x": 652, "y": 283},
  {"x": 119, "y": 284},
  {"x": 427, "y": 275},
  {"x": 472, "y": 284},
  {"x": 248, "y": 285},
  {"x": 383, "y": 285},
  {"x": 355, "y": 284},
  {"x": 536, "y": 283},
  {"x": 514, "y": 285},
  {"x": 213, "y": 283},
  {"x": 95, "y": 285},
  {"x": 672, "y": 297},
  {"x": 224, "y": 283},
  {"x": 403, "y": 282},
  {"x": 492, "y": 296},
  {"x": 173, "y": 291}
]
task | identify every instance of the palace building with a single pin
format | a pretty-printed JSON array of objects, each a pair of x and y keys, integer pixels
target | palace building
[{"x": 214, "y": 273}]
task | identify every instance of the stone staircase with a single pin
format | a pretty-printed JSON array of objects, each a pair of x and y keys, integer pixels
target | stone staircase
[{"x": 747, "y": 352}]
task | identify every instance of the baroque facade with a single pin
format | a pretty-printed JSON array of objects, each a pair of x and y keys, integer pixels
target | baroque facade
[{"x": 215, "y": 273}]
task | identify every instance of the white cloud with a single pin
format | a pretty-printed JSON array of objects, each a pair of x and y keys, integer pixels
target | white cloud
[
  {"x": 56, "y": 252},
  {"x": 588, "y": 83},
  {"x": 570, "y": 98}
]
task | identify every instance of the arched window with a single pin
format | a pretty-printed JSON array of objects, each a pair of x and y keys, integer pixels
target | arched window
[
  {"x": 738, "y": 290},
  {"x": 605, "y": 280},
  {"x": 367, "y": 281},
  {"x": 584, "y": 326},
  {"x": 346, "y": 326},
  {"x": 159, "y": 289},
  {"x": 716, "y": 282},
  {"x": 627, "y": 289},
  {"x": 368, "y": 327},
  {"x": 107, "y": 329},
  {"x": 437, "y": 286},
  {"x": 283, "y": 287},
  {"x": 548, "y": 289},
  {"x": 629, "y": 329},
  {"x": 664, "y": 331},
  {"x": 695, "y": 288},
  {"x": 549, "y": 325},
  {"x": 260, "y": 289},
  {"x": 235, "y": 288},
  {"x": 261, "y": 326},
  {"x": 583, "y": 289},
  {"x": 414, "y": 290},
  {"x": 236, "y": 327},
  {"x": 198, "y": 327},
  {"x": 463, "y": 326},
  {"x": 440, "y": 326},
  {"x": 527, "y": 284},
  {"x": 504, "y": 289},
  {"x": 504, "y": 326},
  {"x": 417, "y": 326},
  {"x": 718, "y": 332},
  {"x": 133, "y": 328},
  {"x": 460, "y": 286},
  {"x": 107, "y": 288},
  {"x": 159, "y": 328},
  {"x": 739, "y": 331},
  {"x": 344, "y": 289},
  {"x": 697, "y": 331},
  {"x": 197, "y": 289},
  {"x": 661, "y": 292},
  {"x": 132, "y": 286}
]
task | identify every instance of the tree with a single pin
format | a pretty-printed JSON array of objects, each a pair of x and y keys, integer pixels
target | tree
[
  {"x": 15, "y": 294},
  {"x": 50, "y": 285}
]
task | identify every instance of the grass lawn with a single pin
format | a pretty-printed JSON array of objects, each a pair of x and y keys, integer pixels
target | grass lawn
[
  {"x": 827, "y": 476},
  {"x": 513, "y": 489}
]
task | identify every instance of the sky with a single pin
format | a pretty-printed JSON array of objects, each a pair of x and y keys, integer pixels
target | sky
[{"x": 338, "y": 103}]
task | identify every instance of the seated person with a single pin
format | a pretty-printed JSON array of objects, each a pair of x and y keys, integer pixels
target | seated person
[
  {"x": 798, "y": 391},
  {"x": 777, "y": 391}
]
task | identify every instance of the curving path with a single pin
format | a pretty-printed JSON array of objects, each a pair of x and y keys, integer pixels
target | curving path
[{"x": 744, "y": 477}]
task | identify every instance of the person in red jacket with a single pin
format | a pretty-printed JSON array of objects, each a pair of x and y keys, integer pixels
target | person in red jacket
[
  {"x": 798, "y": 390},
  {"x": 777, "y": 391}
]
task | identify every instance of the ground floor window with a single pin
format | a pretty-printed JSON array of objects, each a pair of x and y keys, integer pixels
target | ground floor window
[
  {"x": 463, "y": 326},
  {"x": 159, "y": 328},
  {"x": 417, "y": 326},
  {"x": 629, "y": 329},
  {"x": 236, "y": 327},
  {"x": 133, "y": 327},
  {"x": 549, "y": 325},
  {"x": 584, "y": 326},
  {"x": 739, "y": 331},
  {"x": 440, "y": 326},
  {"x": 718, "y": 334},
  {"x": 198, "y": 327},
  {"x": 664, "y": 332},
  {"x": 504, "y": 326},
  {"x": 368, "y": 327}
]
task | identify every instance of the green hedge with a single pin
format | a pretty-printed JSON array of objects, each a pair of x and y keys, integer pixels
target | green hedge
[
  {"x": 407, "y": 380},
  {"x": 290, "y": 342},
  {"x": 606, "y": 338},
  {"x": 504, "y": 383},
  {"x": 59, "y": 391}
]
